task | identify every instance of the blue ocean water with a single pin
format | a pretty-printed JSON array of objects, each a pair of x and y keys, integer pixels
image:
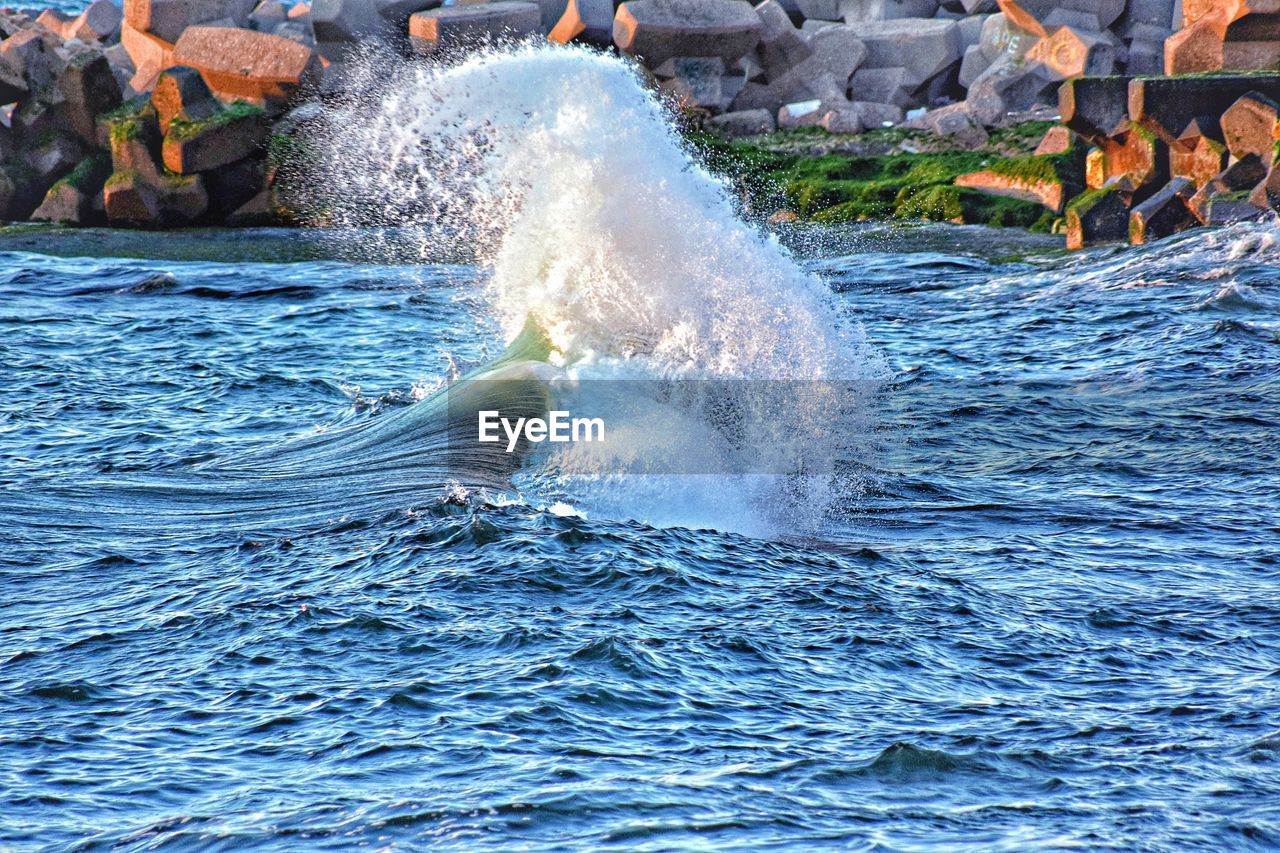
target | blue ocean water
[
  {"x": 1048, "y": 618},
  {"x": 71, "y": 6}
]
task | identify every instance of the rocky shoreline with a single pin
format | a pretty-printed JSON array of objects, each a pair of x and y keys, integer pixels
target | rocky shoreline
[{"x": 1104, "y": 120}]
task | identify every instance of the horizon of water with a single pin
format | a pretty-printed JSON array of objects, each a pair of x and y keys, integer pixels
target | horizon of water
[{"x": 243, "y": 607}]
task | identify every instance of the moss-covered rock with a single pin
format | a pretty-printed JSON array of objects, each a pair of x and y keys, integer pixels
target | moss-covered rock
[
  {"x": 89, "y": 174},
  {"x": 1046, "y": 179},
  {"x": 838, "y": 187},
  {"x": 1097, "y": 216},
  {"x": 132, "y": 133},
  {"x": 232, "y": 133},
  {"x": 154, "y": 199},
  {"x": 76, "y": 198},
  {"x": 182, "y": 129},
  {"x": 129, "y": 121},
  {"x": 130, "y": 200},
  {"x": 1167, "y": 212}
]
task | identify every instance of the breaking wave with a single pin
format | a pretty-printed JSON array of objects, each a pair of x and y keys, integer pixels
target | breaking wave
[{"x": 590, "y": 220}]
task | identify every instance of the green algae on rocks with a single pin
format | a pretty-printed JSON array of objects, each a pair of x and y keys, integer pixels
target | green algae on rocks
[
  {"x": 128, "y": 121},
  {"x": 89, "y": 174},
  {"x": 913, "y": 179},
  {"x": 184, "y": 129}
]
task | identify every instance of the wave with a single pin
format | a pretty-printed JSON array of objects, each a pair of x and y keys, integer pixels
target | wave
[
  {"x": 591, "y": 221},
  {"x": 405, "y": 458},
  {"x": 587, "y": 213},
  {"x": 1233, "y": 296},
  {"x": 615, "y": 268}
]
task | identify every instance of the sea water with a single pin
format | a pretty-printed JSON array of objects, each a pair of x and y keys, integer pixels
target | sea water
[{"x": 242, "y": 607}]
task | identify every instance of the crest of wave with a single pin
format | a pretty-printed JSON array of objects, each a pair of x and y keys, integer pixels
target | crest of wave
[{"x": 561, "y": 173}]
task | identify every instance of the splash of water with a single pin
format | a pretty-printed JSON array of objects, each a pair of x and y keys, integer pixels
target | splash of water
[
  {"x": 589, "y": 212},
  {"x": 590, "y": 218}
]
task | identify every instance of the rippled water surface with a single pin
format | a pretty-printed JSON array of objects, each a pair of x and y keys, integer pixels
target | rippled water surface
[{"x": 1049, "y": 617}]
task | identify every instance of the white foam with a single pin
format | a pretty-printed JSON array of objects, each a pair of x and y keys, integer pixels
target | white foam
[{"x": 562, "y": 171}]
